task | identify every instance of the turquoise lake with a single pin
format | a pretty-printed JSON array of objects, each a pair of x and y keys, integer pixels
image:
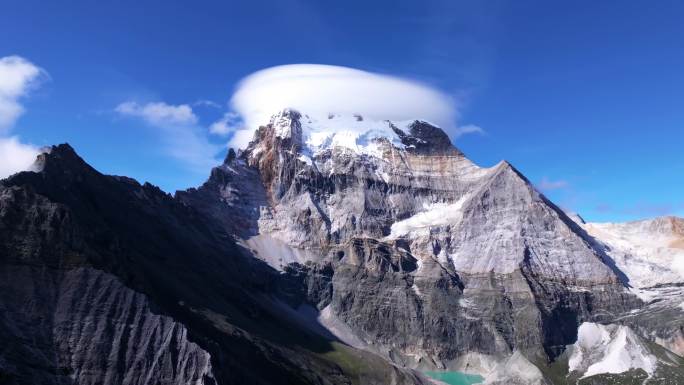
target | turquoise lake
[{"x": 456, "y": 378}]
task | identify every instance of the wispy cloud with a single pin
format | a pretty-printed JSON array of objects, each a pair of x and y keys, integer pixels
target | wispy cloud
[
  {"x": 159, "y": 113},
  {"x": 182, "y": 136},
  {"x": 468, "y": 129},
  {"x": 207, "y": 103},
  {"x": 228, "y": 124},
  {"x": 15, "y": 156},
  {"x": 18, "y": 77},
  {"x": 549, "y": 185}
]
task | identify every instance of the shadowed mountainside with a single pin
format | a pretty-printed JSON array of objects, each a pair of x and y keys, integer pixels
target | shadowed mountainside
[{"x": 106, "y": 281}]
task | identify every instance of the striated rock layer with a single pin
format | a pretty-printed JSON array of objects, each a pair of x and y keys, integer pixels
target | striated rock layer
[
  {"x": 83, "y": 326},
  {"x": 429, "y": 257}
]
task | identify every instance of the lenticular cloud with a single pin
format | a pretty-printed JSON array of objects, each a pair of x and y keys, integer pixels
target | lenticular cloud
[{"x": 322, "y": 89}]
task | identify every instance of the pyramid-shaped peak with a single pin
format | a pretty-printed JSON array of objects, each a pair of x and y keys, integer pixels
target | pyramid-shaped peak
[{"x": 61, "y": 156}]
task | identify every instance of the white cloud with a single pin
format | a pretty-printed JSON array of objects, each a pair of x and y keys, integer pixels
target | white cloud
[
  {"x": 159, "y": 113},
  {"x": 15, "y": 156},
  {"x": 18, "y": 77},
  {"x": 228, "y": 124},
  {"x": 206, "y": 103},
  {"x": 181, "y": 134},
  {"x": 321, "y": 89},
  {"x": 548, "y": 185},
  {"x": 10, "y": 111},
  {"x": 468, "y": 129}
]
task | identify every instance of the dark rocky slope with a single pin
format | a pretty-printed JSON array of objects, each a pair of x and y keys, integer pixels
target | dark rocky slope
[{"x": 106, "y": 281}]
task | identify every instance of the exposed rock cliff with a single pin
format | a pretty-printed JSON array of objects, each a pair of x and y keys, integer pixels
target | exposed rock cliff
[{"x": 431, "y": 257}]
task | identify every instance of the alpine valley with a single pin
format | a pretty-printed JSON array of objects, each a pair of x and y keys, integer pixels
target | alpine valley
[{"x": 331, "y": 250}]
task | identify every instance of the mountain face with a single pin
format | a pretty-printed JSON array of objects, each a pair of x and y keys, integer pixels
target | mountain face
[
  {"x": 434, "y": 262},
  {"x": 106, "y": 281},
  {"x": 333, "y": 250}
]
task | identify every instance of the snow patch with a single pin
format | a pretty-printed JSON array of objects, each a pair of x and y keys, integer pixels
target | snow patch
[
  {"x": 609, "y": 349},
  {"x": 282, "y": 123},
  {"x": 305, "y": 159},
  {"x": 434, "y": 215},
  {"x": 348, "y": 132}
]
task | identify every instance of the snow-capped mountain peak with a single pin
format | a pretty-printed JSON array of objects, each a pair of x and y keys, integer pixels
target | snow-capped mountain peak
[{"x": 316, "y": 134}]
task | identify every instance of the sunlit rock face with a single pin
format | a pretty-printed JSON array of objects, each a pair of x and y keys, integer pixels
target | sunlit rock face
[{"x": 431, "y": 256}]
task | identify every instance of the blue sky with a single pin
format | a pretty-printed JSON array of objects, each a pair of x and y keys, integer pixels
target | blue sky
[{"x": 585, "y": 98}]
